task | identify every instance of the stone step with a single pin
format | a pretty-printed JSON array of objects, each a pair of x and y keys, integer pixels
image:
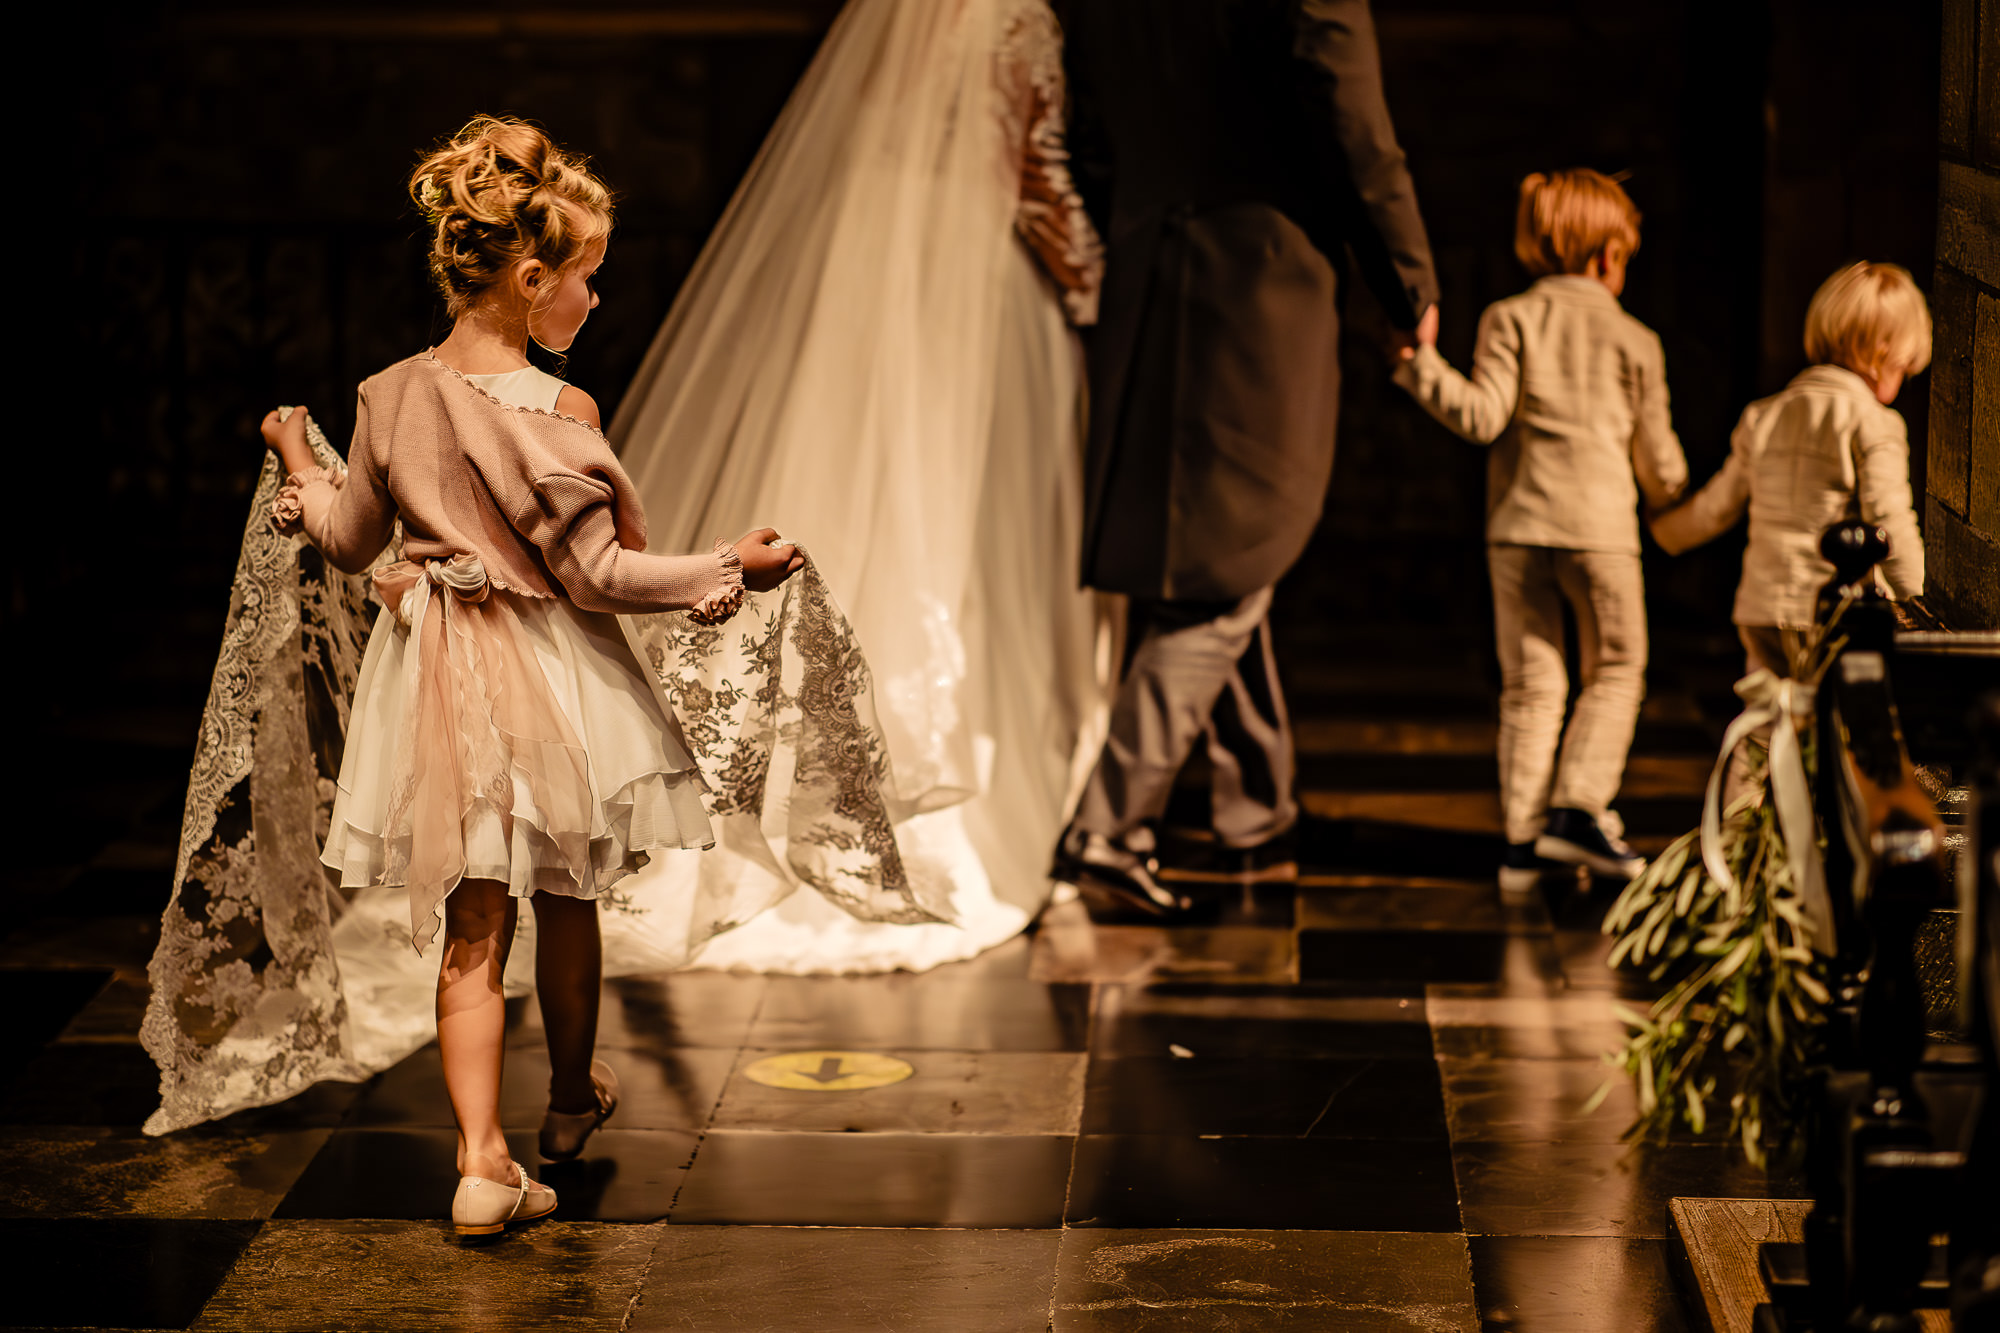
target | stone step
[{"x": 1428, "y": 931}]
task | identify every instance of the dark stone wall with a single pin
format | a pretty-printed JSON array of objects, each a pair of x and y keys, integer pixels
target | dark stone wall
[
  {"x": 244, "y": 240},
  {"x": 1962, "y": 519},
  {"x": 1483, "y": 94},
  {"x": 1767, "y": 144}
]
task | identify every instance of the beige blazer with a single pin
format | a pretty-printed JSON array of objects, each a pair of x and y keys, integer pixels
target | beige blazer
[
  {"x": 1571, "y": 392},
  {"x": 1819, "y": 451}
]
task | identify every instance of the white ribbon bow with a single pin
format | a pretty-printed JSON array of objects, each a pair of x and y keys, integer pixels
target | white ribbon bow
[
  {"x": 404, "y": 587},
  {"x": 1777, "y": 704},
  {"x": 463, "y": 574}
]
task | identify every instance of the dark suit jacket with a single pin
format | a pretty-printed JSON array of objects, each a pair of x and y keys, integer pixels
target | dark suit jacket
[{"x": 1230, "y": 150}]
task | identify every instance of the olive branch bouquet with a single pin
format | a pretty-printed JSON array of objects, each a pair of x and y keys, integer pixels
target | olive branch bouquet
[{"x": 1745, "y": 1003}]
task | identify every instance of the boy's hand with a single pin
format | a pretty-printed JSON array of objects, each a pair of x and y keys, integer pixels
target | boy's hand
[
  {"x": 285, "y": 435},
  {"x": 766, "y": 566},
  {"x": 1405, "y": 343}
]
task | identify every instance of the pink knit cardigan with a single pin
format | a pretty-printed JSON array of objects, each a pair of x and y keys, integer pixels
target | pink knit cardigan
[{"x": 537, "y": 496}]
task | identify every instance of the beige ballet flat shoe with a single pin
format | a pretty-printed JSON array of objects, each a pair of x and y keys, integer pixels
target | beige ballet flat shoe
[
  {"x": 563, "y": 1132},
  {"x": 485, "y": 1207}
]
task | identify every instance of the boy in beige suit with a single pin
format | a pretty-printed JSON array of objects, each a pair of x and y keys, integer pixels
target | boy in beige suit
[
  {"x": 1570, "y": 392},
  {"x": 1827, "y": 447}
]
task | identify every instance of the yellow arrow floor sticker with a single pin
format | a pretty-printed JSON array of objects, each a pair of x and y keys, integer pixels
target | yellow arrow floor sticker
[{"x": 829, "y": 1071}]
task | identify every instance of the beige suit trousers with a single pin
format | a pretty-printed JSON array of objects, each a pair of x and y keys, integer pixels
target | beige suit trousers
[
  {"x": 1606, "y": 594},
  {"x": 1202, "y": 670}
]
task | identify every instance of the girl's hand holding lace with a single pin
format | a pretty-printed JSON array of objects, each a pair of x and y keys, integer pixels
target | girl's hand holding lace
[
  {"x": 285, "y": 435},
  {"x": 766, "y": 566}
]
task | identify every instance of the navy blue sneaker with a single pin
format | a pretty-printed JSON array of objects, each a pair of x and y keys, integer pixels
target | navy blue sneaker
[
  {"x": 1520, "y": 868},
  {"x": 1577, "y": 838}
]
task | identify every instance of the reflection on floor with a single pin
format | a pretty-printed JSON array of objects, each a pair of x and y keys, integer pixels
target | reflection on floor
[{"x": 1355, "y": 1105}]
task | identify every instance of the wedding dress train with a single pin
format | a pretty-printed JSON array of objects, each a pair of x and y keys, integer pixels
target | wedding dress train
[{"x": 874, "y": 356}]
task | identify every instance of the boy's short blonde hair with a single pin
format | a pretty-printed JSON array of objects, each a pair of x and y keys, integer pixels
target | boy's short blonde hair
[
  {"x": 1869, "y": 317},
  {"x": 1568, "y": 217}
]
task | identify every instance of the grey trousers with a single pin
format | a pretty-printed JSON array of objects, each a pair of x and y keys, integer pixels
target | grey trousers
[{"x": 1202, "y": 670}]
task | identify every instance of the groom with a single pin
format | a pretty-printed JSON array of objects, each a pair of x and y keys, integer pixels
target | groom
[{"x": 1231, "y": 151}]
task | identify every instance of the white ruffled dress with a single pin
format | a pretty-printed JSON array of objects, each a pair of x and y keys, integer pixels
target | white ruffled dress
[{"x": 563, "y": 787}]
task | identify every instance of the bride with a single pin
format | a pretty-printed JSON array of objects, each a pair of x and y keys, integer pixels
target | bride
[{"x": 874, "y": 353}]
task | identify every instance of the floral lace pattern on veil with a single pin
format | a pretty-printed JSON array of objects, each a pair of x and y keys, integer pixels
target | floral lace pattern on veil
[
  {"x": 778, "y": 709},
  {"x": 248, "y": 1005}
]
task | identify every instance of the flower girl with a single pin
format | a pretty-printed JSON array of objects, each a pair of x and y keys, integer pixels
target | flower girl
[{"x": 504, "y": 742}]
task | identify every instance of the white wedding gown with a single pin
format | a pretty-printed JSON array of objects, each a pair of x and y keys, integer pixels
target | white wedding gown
[{"x": 874, "y": 356}]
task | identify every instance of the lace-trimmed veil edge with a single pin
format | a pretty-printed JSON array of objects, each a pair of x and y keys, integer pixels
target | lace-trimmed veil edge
[{"x": 249, "y": 1005}]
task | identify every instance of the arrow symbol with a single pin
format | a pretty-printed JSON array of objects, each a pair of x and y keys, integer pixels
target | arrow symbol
[{"x": 828, "y": 1071}]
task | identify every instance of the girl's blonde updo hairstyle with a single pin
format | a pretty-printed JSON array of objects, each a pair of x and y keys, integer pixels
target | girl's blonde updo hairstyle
[
  {"x": 1567, "y": 217},
  {"x": 500, "y": 191}
]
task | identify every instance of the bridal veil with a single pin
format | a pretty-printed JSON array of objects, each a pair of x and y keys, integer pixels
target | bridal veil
[{"x": 868, "y": 357}]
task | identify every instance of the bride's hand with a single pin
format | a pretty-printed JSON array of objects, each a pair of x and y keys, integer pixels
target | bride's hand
[{"x": 766, "y": 566}]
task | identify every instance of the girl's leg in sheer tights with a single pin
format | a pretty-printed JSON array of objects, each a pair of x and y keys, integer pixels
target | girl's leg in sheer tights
[
  {"x": 569, "y": 974},
  {"x": 479, "y": 919}
]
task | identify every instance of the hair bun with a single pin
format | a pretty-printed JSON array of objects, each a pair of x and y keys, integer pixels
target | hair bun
[{"x": 500, "y": 191}]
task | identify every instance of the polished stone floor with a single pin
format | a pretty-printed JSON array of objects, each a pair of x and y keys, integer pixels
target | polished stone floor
[{"x": 1352, "y": 1105}]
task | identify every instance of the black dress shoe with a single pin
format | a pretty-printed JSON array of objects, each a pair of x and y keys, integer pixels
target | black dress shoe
[{"x": 1109, "y": 876}]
